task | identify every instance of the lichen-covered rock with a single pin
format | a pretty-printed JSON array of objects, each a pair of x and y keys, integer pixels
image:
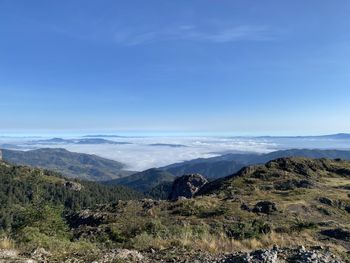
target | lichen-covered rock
[{"x": 187, "y": 186}]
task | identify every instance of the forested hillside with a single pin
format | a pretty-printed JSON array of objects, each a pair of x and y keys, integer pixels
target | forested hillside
[
  {"x": 70, "y": 164},
  {"x": 22, "y": 187}
]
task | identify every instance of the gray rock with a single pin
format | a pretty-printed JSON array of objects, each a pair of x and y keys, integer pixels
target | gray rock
[
  {"x": 275, "y": 255},
  {"x": 337, "y": 233},
  {"x": 73, "y": 186},
  {"x": 187, "y": 186},
  {"x": 265, "y": 207}
]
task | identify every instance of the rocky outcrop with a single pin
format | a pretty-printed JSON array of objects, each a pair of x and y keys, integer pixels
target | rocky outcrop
[
  {"x": 340, "y": 204},
  {"x": 265, "y": 207},
  {"x": 187, "y": 186},
  {"x": 293, "y": 184},
  {"x": 87, "y": 218},
  {"x": 73, "y": 186},
  {"x": 337, "y": 233}
]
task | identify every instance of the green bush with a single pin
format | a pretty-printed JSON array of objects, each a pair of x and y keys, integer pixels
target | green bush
[{"x": 244, "y": 230}]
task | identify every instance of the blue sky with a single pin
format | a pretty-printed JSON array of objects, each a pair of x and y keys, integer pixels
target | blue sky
[{"x": 240, "y": 67}]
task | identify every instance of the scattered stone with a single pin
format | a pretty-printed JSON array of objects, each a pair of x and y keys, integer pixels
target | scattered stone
[
  {"x": 12, "y": 256},
  {"x": 275, "y": 255},
  {"x": 121, "y": 255},
  {"x": 8, "y": 253},
  {"x": 40, "y": 254},
  {"x": 312, "y": 256}
]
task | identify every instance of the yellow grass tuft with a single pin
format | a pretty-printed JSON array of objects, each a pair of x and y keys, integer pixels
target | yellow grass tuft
[{"x": 6, "y": 243}]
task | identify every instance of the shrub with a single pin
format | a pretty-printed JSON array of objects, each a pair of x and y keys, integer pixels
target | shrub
[{"x": 244, "y": 230}]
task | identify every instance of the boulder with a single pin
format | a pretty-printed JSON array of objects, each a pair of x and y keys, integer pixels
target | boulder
[{"x": 187, "y": 186}]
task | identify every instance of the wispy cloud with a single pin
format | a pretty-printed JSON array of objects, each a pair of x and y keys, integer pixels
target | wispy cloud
[{"x": 134, "y": 36}]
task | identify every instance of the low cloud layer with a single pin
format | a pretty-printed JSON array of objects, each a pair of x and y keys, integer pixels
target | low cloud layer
[{"x": 146, "y": 152}]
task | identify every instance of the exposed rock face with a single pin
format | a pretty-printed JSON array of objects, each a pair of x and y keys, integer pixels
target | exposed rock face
[
  {"x": 86, "y": 217},
  {"x": 187, "y": 186},
  {"x": 73, "y": 186}
]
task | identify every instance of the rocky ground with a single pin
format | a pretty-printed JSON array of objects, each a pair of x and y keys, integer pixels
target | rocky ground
[{"x": 274, "y": 255}]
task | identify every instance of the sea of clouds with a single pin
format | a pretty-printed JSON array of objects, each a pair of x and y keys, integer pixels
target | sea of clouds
[{"x": 145, "y": 152}]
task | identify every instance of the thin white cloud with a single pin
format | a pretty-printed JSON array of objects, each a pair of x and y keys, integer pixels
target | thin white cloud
[
  {"x": 240, "y": 33},
  {"x": 133, "y": 36}
]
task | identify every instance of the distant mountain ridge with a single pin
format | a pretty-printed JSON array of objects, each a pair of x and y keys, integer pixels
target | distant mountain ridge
[
  {"x": 168, "y": 145},
  {"x": 70, "y": 164},
  {"x": 76, "y": 141},
  {"x": 337, "y": 136},
  {"x": 224, "y": 165}
]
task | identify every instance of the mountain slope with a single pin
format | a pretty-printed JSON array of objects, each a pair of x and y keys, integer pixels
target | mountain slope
[
  {"x": 55, "y": 141},
  {"x": 281, "y": 174},
  {"x": 70, "y": 164},
  {"x": 144, "y": 181},
  {"x": 224, "y": 165},
  {"x": 22, "y": 185},
  {"x": 286, "y": 202}
]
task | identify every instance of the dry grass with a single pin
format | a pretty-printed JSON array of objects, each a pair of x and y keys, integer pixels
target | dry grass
[
  {"x": 6, "y": 243},
  {"x": 219, "y": 244},
  {"x": 216, "y": 244}
]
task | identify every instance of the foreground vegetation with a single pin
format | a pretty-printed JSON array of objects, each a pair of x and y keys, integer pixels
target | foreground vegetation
[
  {"x": 287, "y": 202},
  {"x": 25, "y": 192}
]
